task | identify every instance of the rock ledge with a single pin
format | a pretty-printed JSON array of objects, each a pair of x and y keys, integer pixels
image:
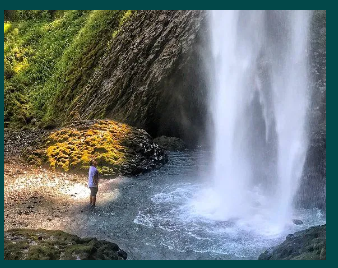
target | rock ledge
[
  {"x": 309, "y": 244},
  {"x": 28, "y": 244}
]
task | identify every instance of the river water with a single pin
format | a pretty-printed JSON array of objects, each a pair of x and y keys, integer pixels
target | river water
[{"x": 156, "y": 216}]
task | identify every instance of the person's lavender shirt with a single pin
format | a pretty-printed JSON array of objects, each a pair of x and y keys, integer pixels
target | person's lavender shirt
[{"x": 91, "y": 176}]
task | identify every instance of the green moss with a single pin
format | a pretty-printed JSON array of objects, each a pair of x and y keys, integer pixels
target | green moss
[
  {"x": 72, "y": 149},
  {"x": 36, "y": 245},
  {"x": 118, "y": 148},
  {"x": 28, "y": 244},
  {"x": 79, "y": 60},
  {"x": 49, "y": 56},
  {"x": 7, "y": 27},
  {"x": 33, "y": 44},
  {"x": 14, "y": 251},
  {"x": 79, "y": 251},
  {"x": 42, "y": 253}
]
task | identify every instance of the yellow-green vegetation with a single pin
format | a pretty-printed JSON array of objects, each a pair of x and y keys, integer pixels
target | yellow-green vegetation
[
  {"x": 118, "y": 148},
  {"x": 32, "y": 46},
  {"x": 126, "y": 16},
  {"x": 49, "y": 56},
  {"x": 70, "y": 148},
  {"x": 7, "y": 27},
  {"x": 80, "y": 59}
]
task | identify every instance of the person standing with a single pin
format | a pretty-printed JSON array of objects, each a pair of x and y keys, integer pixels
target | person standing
[{"x": 93, "y": 181}]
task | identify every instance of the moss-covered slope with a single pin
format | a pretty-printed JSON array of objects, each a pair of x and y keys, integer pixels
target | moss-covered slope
[{"x": 48, "y": 54}]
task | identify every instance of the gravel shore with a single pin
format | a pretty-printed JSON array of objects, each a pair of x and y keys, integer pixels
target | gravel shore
[{"x": 39, "y": 198}]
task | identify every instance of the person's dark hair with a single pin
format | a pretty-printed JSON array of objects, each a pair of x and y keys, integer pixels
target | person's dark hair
[{"x": 91, "y": 163}]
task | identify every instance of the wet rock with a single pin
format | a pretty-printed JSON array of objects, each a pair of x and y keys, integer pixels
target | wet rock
[
  {"x": 170, "y": 143},
  {"x": 309, "y": 244},
  {"x": 28, "y": 244},
  {"x": 312, "y": 191},
  {"x": 297, "y": 222},
  {"x": 122, "y": 254}
]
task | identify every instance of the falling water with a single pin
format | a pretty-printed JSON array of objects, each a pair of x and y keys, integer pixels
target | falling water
[
  {"x": 259, "y": 100},
  {"x": 259, "y": 105}
]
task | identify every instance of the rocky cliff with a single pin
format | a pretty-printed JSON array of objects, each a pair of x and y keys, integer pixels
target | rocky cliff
[
  {"x": 151, "y": 77},
  {"x": 312, "y": 192}
]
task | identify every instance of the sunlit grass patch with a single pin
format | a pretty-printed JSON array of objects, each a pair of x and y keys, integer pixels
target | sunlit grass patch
[{"x": 7, "y": 27}]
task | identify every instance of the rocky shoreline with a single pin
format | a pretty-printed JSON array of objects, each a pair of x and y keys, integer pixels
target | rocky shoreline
[
  {"x": 38, "y": 198},
  {"x": 309, "y": 244}
]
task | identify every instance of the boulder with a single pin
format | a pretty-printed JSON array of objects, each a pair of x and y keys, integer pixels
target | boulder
[
  {"x": 28, "y": 244},
  {"x": 170, "y": 143},
  {"x": 309, "y": 244},
  {"x": 118, "y": 148},
  {"x": 297, "y": 222}
]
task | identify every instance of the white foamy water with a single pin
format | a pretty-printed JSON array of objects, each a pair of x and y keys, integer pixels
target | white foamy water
[{"x": 184, "y": 227}]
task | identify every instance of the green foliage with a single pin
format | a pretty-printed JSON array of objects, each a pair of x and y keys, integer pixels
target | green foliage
[
  {"x": 49, "y": 56},
  {"x": 79, "y": 60},
  {"x": 32, "y": 47},
  {"x": 22, "y": 15},
  {"x": 33, "y": 14}
]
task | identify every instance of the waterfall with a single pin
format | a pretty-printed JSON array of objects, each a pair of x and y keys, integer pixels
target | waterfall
[{"x": 259, "y": 86}]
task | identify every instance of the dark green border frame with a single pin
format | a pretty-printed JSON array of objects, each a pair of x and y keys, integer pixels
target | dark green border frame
[{"x": 174, "y": 4}]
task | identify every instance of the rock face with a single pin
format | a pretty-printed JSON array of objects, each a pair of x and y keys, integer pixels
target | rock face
[
  {"x": 313, "y": 189},
  {"x": 27, "y": 244},
  {"x": 118, "y": 148},
  {"x": 297, "y": 222},
  {"x": 152, "y": 77},
  {"x": 170, "y": 143},
  {"x": 309, "y": 244}
]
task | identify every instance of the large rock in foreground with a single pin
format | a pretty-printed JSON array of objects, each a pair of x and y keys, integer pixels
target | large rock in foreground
[
  {"x": 27, "y": 244},
  {"x": 118, "y": 148},
  {"x": 309, "y": 244}
]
